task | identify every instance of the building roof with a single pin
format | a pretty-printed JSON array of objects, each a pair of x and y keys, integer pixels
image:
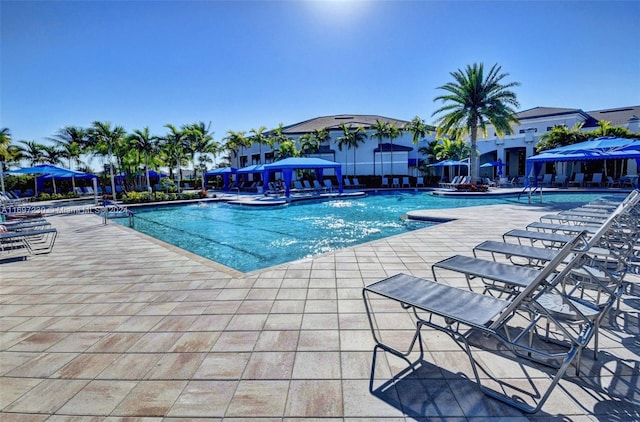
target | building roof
[
  {"x": 539, "y": 112},
  {"x": 617, "y": 116},
  {"x": 333, "y": 122}
]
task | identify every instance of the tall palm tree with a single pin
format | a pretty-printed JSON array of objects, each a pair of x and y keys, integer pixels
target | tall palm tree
[
  {"x": 108, "y": 142},
  {"x": 71, "y": 140},
  {"x": 472, "y": 101},
  {"x": 5, "y": 143},
  {"x": 145, "y": 144},
  {"x": 52, "y": 154},
  {"x": 381, "y": 131},
  {"x": 32, "y": 151},
  {"x": 199, "y": 140},
  {"x": 394, "y": 132},
  {"x": 259, "y": 138},
  {"x": 352, "y": 138},
  {"x": 173, "y": 146},
  {"x": 234, "y": 142}
]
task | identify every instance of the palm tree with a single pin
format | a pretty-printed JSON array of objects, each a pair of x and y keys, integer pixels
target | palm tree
[
  {"x": 52, "y": 155},
  {"x": 146, "y": 144},
  {"x": 32, "y": 151},
  {"x": 286, "y": 148},
  {"x": 173, "y": 146},
  {"x": 418, "y": 129},
  {"x": 474, "y": 100},
  {"x": 107, "y": 142},
  {"x": 394, "y": 132},
  {"x": 352, "y": 138},
  {"x": 234, "y": 142},
  {"x": 450, "y": 149},
  {"x": 70, "y": 140},
  {"x": 259, "y": 138},
  {"x": 6, "y": 152},
  {"x": 199, "y": 140},
  {"x": 381, "y": 131},
  {"x": 560, "y": 136},
  {"x": 308, "y": 144}
]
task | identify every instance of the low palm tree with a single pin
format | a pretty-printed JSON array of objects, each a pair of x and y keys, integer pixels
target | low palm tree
[{"x": 474, "y": 100}]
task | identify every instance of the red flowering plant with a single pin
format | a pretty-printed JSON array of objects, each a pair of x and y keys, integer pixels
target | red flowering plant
[{"x": 468, "y": 187}]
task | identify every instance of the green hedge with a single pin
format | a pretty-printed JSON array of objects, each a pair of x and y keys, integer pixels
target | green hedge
[{"x": 142, "y": 197}]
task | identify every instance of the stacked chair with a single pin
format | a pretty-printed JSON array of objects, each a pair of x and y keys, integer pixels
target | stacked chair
[
  {"x": 21, "y": 238},
  {"x": 545, "y": 291}
]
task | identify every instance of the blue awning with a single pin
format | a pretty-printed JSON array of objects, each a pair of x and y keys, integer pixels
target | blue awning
[
  {"x": 287, "y": 166},
  {"x": 605, "y": 148},
  {"x": 447, "y": 163},
  {"x": 221, "y": 170}
]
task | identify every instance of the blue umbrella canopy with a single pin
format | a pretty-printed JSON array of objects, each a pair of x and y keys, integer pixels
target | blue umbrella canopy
[
  {"x": 598, "y": 146},
  {"x": 47, "y": 169},
  {"x": 256, "y": 168},
  {"x": 51, "y": 171},
  {"x": 221, "y": 170},
  {"x": 447, "y": 163}
]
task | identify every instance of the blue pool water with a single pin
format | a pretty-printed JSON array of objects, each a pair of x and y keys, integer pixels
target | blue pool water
[{"x": 251, "y": 238}]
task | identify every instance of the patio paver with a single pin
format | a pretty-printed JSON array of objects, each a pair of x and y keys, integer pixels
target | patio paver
[{"x": 115, "y": 324}]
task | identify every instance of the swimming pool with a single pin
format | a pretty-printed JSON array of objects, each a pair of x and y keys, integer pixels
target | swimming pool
[{"x": 251, "y": 238}]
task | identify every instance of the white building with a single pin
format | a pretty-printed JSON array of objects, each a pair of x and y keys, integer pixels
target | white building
[{"x": 401, "y": 157}]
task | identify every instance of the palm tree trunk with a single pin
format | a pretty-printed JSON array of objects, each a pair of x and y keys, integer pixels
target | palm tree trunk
[{"x": 473, "y": 156}]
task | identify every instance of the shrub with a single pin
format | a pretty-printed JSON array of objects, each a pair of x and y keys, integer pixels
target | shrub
[{"x": 468, "y": 187}]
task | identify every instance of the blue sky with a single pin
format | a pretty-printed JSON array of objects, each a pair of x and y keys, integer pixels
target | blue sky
[{"x": 241, "y": 64}]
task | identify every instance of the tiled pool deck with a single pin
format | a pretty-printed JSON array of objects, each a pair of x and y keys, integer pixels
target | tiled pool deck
[{"x": 114, "y": 325}]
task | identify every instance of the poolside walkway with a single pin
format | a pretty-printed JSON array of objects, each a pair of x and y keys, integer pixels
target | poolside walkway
[{"x": 114, "y": 324}]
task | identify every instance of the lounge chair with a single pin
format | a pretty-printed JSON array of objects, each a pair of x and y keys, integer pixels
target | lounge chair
[
  {"x": 612, "y": 183},
  {"x": 395, "y": 183},
  {"x": 357, "y": 184},
  {"x": 596, "y": 179},
  {"x": 308, "y": 186},
  {"x": 459, "y": 313},
  {"x": 318, "y": 187},
  {"x": 560, "y": 180},
  {"x": 347, "y": 183},
  {"x": 599, "y": 278},
  {"x": 297, "y": 187},
  {"x": 405, "y": 182},
  {"x": 385, "y": 182},
  {"x": 328, "y": 185},
  {"x": 22, "y": 243},
  {"x": 629, "y": 180},
  {"x": 420, "y": 181},
  {"x": 546, "y": 179},
  {"x": 578, "y": 180}
]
